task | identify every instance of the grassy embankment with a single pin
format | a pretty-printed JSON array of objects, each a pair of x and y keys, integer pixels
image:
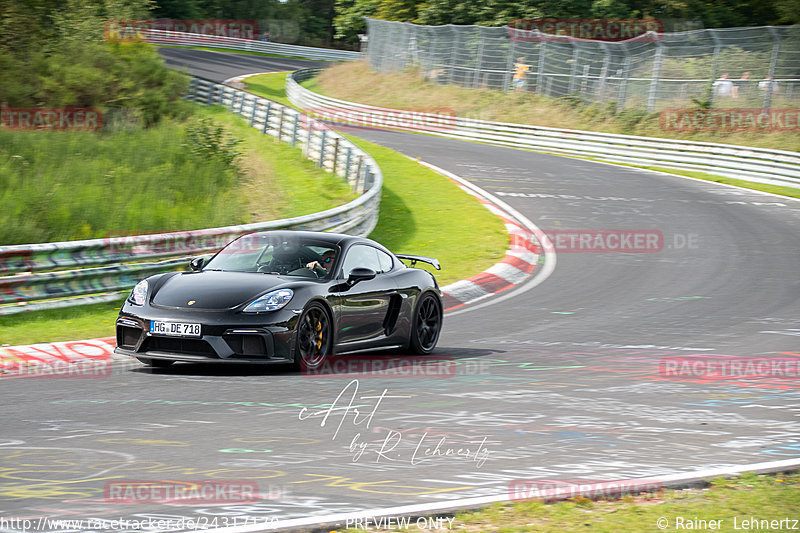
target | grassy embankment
[
  {"x": 139, "y": 182},
  {"x": 421, "y": 212},
  {"x": 357, "y": 83}
]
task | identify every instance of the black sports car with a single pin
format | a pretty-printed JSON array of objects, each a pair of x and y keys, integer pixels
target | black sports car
[{"x": 283, "y": 297}]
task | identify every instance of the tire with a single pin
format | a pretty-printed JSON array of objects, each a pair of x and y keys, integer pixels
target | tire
[
  {"x": 155, "y": 363},
  {"x": 427, "y": 324},
  {"x": 313, "y": 338}
]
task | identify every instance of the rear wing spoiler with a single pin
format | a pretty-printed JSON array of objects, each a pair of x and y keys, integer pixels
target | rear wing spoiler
[{"x": 414, "y": 258}]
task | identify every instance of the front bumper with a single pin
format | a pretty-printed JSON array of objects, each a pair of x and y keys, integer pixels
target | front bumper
[{"x": 218, "y": 343}]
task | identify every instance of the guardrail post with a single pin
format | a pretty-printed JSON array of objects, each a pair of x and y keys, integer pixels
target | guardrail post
[
  {"x": 279, "y": 135},
  {"x": 347, "y": 164},
  {"x": 294, "y": 129},
  {"x": 335, "y": 153},
  {"x": 651, "y": 97},
  {"x": 253, "y": 113},
  {"x": 241, "y": 103},
  {"x": 358, "y": 172},
  {"x": 265, "y": 129},
  {"x": 322, "y": 148}
]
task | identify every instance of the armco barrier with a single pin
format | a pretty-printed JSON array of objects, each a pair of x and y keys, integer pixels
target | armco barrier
[
  {"x": 777, "y": 167},
  {"x": 173, "y": 38},
  {"x": 47, "y": 275}
]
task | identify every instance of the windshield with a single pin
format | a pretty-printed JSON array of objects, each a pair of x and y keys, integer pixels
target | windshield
[{"x": 271, "y": 254}]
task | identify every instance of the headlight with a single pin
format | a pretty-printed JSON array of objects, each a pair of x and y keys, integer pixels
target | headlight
[
  {"x": 272, "y": 301},
  {"x": 139, "y": 293}
]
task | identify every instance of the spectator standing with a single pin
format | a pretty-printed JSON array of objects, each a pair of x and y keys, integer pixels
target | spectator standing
[
  {"x": 520, "y": 74},
  {"x": 723, "y": 86}
]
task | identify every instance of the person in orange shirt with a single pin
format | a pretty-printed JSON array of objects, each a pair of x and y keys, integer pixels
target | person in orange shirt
[{"x": 520, "y": 73}]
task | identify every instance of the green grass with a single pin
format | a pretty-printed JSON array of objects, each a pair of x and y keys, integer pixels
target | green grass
[
  {"x": 60, "y": 186},
  {"x": 65, "y": 324},
  {"x": 77, "y": 185},
  {"x": 272, "y": 86},
  {"x": 764, "y": 497}
]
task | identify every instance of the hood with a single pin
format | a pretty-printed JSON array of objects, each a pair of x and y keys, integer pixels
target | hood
[{"x": 214, "y": 290}]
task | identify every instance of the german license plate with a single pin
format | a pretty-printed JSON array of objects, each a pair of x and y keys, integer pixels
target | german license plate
[{"x": 174, "y": 329}]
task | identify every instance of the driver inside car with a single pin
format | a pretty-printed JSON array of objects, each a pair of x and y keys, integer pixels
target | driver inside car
[{"x": 322, "y": 267}]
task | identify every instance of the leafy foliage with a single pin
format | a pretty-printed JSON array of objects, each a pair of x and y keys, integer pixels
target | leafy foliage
[{"x": 208, "y": 140}]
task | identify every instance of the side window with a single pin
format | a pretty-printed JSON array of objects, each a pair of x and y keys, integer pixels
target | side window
[
  {"x": 361, "y": 256},
  {"x": 385, "y": 261}
]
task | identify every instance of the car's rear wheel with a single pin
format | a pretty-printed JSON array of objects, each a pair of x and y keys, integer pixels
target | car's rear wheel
[
  {"x": 155, "y": 363},
  {"x": 314, "y": 337},
  {"x": 427, "y": 324}
]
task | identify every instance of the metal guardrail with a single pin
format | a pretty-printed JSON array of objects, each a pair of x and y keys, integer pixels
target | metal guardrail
[
  {"x": 173, "y": 38},
  {"x": 46, "y": 275},
  {"x": 777, "y": 167}
]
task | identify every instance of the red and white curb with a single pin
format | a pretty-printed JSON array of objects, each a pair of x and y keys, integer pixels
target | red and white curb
[
  {"x": 53, "y": 359},
  {"x": 524, "y": 254}
]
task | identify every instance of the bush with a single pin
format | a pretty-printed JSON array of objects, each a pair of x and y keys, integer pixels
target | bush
[{"x": 108, "y": 76}]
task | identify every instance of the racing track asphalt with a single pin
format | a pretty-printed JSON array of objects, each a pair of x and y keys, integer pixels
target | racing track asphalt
[{"x": 580, "y": 378}]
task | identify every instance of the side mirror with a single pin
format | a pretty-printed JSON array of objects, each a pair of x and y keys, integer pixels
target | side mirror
[
  {"x": 360, "y": 274},
  {"x": 197, "y": 263}
]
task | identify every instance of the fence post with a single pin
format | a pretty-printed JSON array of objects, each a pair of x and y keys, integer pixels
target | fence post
[
  {"x": 773, "y": 62},
  {"x": 510, "y": 63},
  {"x": 651, "y": 97},
  {"x": 476, "y": 76},
  {"x": 453, "y": 55},
  {"x": 604, "y": 73},
  {"x": 623, "y": 86},
  {"x": 540, "y": 75},
  {"x": 714, "y": 65},
  {"x": 574, "y": 73}
]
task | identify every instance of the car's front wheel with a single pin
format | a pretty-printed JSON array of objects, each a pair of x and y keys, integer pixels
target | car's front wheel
[
  {"x": 155, "y": 363},
  {"x": 314, "y": 339},
  {"x": 427, "y": 324}
]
